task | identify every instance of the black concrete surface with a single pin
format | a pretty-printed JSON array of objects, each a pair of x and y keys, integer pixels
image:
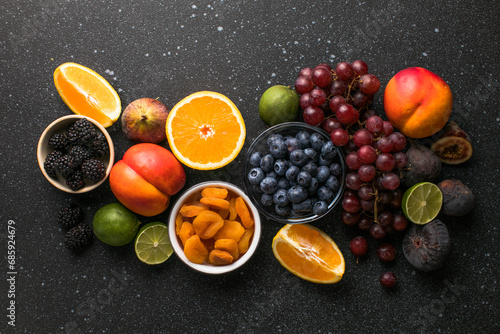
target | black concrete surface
[{"x": 169, "y": 49}]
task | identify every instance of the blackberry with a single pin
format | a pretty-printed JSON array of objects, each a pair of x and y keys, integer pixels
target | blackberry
[
  {"x": 80, "y": 153},
  {"x": 81, "y": 132},
  {"x": 65, "y": 165},
  {"x": 70, "y": 216},
  {"x": 93, "y": 169},
  {"x": 78, "y": 237},
  {"x": 75, "y": 181},
  {"x": 99, "y": 145},
  {"x": 49, "y": 163},
  {"x": 58, "y": 142}
]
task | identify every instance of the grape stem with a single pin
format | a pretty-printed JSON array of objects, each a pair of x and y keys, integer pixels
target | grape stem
[{"x": 375, "y": 205}]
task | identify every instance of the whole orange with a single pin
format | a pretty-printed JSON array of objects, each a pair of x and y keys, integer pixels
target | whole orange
[{"x": 418, "y": 102}]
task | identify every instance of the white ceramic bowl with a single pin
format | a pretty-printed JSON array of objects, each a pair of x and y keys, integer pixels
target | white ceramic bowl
[
  {"x": 59, "y": 126},
  {"x": 176, "y": 242}
]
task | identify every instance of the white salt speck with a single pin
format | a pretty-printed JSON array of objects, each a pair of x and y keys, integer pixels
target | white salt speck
[
  {"x": 219, "y": 28},
  {"x": 147, "y": 54},
  {"x": 95, "y": 51},
  {"x": 109, "y": 72},
  {"x": 273, "y": 74},
  {"x": 424, "y": 54},
  {"x": 436, "y": 30},
  {"x": 194, "y": 6},
  {"x": 119, "y": 10}
]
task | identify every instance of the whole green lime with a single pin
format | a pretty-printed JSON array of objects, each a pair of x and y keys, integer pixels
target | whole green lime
[
  {"x": 278, "y": 104},
  {"x": 115, "y": 225}
]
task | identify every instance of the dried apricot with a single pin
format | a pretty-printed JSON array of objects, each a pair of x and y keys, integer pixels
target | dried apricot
[
  {"x": 207, "y": 223},
  {"x": 186, "y": 232},
  {"x": 224, "y": 213},
  {"x": 195, "y": 250},
  {"x": 192, "y": 209},
  {"x": 220, "y": 257},
  {"x": 243, "y": 212},
  {"x": 232, "y": 209},
  {"x": 228, "y": 245},
  {"x": 244, "y": 242},
  {"x": 214, "y": 192},
  {"x": 215, "y": 202},
  {"x": 178, "y": 223},
  {"x": 231, "y": 229}
]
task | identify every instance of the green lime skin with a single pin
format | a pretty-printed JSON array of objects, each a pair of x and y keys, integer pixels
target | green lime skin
[
  {"x": 115, "y": 225},
  {"x": 279, "y": 104}
]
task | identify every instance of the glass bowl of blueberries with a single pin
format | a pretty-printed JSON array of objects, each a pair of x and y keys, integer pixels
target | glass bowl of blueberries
[{"x": 294, "y": 174}]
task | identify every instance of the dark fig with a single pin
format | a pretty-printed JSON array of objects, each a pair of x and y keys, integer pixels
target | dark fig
[
  {"x": 423, "y": 165},
  {"x": 458, "y": 199},
  {"x": 454, "y": 146},
  {"x": 427, "y": 246}
]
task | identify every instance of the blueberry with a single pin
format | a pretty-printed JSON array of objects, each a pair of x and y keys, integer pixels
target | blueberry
[
  {"x": 272, "y": 174},
  {"x": 320, "y": 208},
  {"x": 281, "y": 166},
  {"x": 297, "y": 194},
  {"x": 278, "y": 148},
  {"x": 313, "y": 186},
  {"x": 333, "y": 183},
  {"x": 266, "y": 199},
  {"x": 298, "y": 158},
  {"x": 304, "y": 139},
  {"x": 323, "y": 173},
  {"x": 317, "y": 141},
  {"x": 282, "y": 210},
  {"x": 335, "y": 169},
  {"x": 292, "y": 144},
  {"x": 329, "y": 150},
  {"x": 256, "y": 175},
  {"x": 325, "y": 194},
  {"x": 269, "y": 185},
  {"x": 280, "y": 197},
  {"x": 323, "y": 161},
  {"x": 256, "y": 188},
  {"x": 254, "y": 159},
  {"x": 273, "y": 137},
  {"x": 283, "y": 183},
  {"x": 304, "y": 179},
  {"x": 292, "y": 172},
  {"x": 266, "y": 163},
  {"x": 311, "y": 168},
  {"x": 311, "y": 153},
  {"x": 304, "y": 207}
]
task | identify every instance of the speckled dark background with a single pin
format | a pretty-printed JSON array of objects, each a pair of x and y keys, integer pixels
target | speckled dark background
[{"x": 240, "y": 48}]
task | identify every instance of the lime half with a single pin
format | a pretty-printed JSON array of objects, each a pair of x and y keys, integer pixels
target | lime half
[
  {"x": 152, "y": 245},
  {"x": 422, "y": 202}
]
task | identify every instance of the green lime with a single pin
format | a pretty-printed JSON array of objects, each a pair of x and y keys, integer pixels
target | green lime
[
  {"x": 278, "y": 104},
  {"x": 152, "y": 245},
  {"x": 422, "y": 202},
  {"x": 115, "y": 225}
]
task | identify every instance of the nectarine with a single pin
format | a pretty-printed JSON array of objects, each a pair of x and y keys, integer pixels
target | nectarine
[
  {"x": 417, "y": 102},
  {"x": 145, "y": 178}
]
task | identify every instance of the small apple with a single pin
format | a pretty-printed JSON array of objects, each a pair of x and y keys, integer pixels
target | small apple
[{"x": 143, "y": 121}]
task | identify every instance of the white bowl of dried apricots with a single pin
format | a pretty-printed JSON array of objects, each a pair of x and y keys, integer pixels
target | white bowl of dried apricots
[{"x": 214, "y": 228}]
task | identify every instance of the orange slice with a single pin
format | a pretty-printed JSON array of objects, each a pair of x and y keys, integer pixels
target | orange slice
[
  {"x": 87, "y": 93},
  {"x": 205, "y": 130},
  {"x": 309, "y": 253}
]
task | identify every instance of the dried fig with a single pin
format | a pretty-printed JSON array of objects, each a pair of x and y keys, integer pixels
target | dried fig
[
  {"x": 427, "y": 246},
  {"x": 458, "y": 199},
  {"x": 423, "y": 165},
  {"x": 454, "y": 146}
]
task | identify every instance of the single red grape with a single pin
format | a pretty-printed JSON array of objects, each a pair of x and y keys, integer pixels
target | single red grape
[
  {"x": 321, "y": 77},
  {"x": 388, "y": 280},
  {"x": 313, "y": 115},
  {"x": 359, "y": 67},
  {"x": 386, "y": 252},
  {"x": 358, "y": 246},
  {"x": 369, "y": 84},
  {"x": 340, "y": 137},
  {"x": 303, "y": 85}
]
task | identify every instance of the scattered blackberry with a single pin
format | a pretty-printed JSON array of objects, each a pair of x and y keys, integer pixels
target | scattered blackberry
[
  {"x": 100, "y": 145},
  {"x": 49, "y": 163},
  {"x": 58, "y": 142},
  {"x": 78, "y": 237},
  {"x": 80, "y": 153},
  {"x": 70, "y": 216},
  {"x": 93, "y": 169},
  {"x": 81, "y": 132},
  {"x": 75, "y": 181},
  {"x": 65, "y": 165}
]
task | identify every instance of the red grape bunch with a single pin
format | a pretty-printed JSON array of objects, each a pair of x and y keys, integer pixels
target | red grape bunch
[{"x": 338, "y": 100}]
